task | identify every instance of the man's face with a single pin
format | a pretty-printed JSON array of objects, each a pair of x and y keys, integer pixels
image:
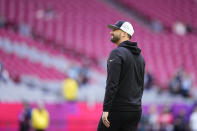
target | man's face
[{"x": 115, "y": 35}]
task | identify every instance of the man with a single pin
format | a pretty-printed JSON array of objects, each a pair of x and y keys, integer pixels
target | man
[
  {"x": 25, "y": 118},
  {"x": 125, "y": 82},
  {"x": 193, "y": 120},
  {"x": 40, "y": 118}
]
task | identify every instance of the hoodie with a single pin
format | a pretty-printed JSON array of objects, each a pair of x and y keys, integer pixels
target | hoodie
[{"x": 125, "y": 78}]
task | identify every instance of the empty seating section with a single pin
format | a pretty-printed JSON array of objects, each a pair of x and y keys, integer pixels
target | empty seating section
[
  {"x": 78, "y": 27},
  {"x": 167, "y": 11},
  {"x": 71, "y": 25},
  {"x": 7, "y": 34},
  {"x": 23, "y": 66},
  {"x": 19, "y": 66}
]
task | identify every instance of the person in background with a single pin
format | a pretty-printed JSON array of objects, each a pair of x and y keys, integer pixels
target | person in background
[
  {"x": 153, "y": 116},
  {"x": 186, "y": 85},
  {"x": 143, "y": 124},
  {"x": 157, "y": 26},
  {"x": 165, "y": 119},
  {"x": 4, "y": 74},
  {"x": 180, "y": 123},
  {"x": 148, "y": 80},
  {"x": 24, "y": 29},
  {"x": 70, "y": 89},
  {"x": 40, "y": 118},
  {"x": 179, "y": 28},
  {"x": 193, "y": 120},
  {"x": 1, "y": 71},
  {"x": 25, "y": 118},
  {"x": 3, "y": 21}
]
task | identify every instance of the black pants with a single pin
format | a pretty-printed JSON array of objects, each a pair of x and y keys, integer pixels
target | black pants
[
  {"x": 39, "y": 130},
  {"x": 121, "y": 121},
  {"x": 24, "y": 127}
]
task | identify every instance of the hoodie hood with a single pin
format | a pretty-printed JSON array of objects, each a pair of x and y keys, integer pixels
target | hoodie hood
[{"x": 132, "y": 46}]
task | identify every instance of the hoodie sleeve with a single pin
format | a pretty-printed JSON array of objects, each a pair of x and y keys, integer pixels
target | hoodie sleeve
[{"x": 113, "y": 73}]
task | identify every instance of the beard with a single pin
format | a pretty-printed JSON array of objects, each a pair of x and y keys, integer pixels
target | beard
[{"x": 115, "y": 39}]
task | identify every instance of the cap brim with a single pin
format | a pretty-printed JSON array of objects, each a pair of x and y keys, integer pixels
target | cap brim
[{"x": 112, "y": 26}]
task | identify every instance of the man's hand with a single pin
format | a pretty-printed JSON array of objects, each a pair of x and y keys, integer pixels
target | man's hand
[{"x": 105, "y": 120}]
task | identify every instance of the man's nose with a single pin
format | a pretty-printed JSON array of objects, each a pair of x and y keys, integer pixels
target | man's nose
[{"x": 111, "y": 32}]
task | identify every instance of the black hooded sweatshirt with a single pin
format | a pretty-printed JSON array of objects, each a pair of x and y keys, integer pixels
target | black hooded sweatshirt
[{"x": 125, "y": 78}]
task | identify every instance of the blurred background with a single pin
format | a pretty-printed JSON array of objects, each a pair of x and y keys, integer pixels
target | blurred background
[{"x": 53, "y": 59}]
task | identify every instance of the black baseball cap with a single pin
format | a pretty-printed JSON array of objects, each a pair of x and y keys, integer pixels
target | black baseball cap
[{"x": 124, "y": 26}]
